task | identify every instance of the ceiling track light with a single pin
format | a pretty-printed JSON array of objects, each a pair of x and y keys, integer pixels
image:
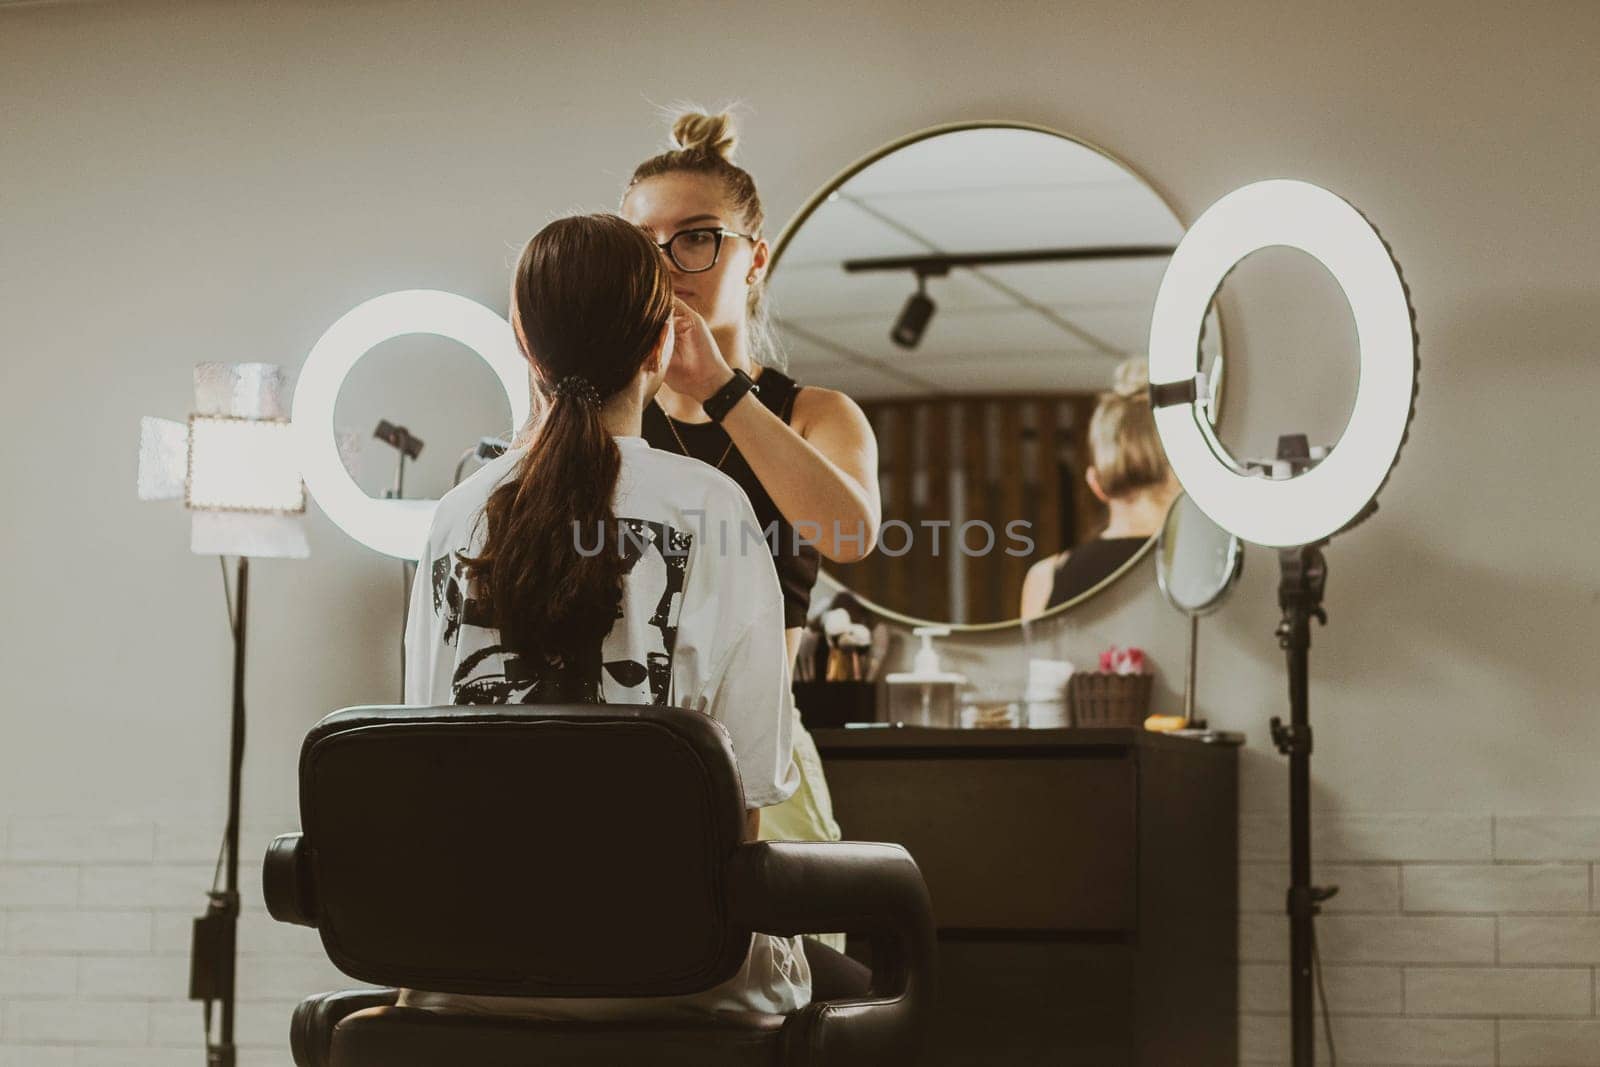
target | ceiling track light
[
  {"x": 914, "y": 317},
  {"x": 934, "y": 263},
  {"x": 913, "y": 321}
]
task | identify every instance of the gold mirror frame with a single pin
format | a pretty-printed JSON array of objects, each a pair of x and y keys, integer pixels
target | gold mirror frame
[{"x": 820, "y": 197}]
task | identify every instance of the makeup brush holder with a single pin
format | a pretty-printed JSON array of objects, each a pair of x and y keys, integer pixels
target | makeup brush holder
[{"x": 1099, "y": 698}]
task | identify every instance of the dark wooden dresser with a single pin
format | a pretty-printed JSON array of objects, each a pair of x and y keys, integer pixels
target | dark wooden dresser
[{"x": 1084, "y": 882}]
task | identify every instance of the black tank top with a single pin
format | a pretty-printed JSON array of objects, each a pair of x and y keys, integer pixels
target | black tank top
[
  {"x": 1089, "y": 563},
  {"x": 797, "y": 562}
]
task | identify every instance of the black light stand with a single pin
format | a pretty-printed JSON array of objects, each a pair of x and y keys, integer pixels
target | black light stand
[
  {"x": 213, "y": 948},
  {"x": 1304, "y": 577},
  {"x": 407, "y": 446},
  {"x": 1300, "y": 597}
]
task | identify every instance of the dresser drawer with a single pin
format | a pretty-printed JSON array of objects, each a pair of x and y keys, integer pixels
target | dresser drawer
[
  {"x": 1021, "y": 843},
  {"x": 1035, "y": 1004}
]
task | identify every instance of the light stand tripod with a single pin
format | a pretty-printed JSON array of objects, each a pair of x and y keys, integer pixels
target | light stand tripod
[
  {"x": 1300, "y": 596},
  {"x": 212, "y": 951},
  {"x": 233, "y": 466},
  {"x": 1304, "y": 577}
]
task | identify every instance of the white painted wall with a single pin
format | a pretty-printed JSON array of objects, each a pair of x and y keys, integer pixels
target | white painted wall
[{"x": 202, "y": 181}]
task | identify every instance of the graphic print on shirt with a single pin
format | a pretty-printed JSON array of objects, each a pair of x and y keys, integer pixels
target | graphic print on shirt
[{"x": 654, "y": 559}]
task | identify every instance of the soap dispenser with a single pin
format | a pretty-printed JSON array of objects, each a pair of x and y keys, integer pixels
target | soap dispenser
[{"x": 926, "y": 695}]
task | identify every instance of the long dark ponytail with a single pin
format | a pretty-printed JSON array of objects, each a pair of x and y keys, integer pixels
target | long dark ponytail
[{"x": 590, "y": 298}]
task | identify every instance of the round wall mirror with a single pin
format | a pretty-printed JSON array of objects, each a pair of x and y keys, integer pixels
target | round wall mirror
[{"x": 975, "y": 288}]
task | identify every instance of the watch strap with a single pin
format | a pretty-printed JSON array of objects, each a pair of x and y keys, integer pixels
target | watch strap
[{"x": 718, "y": 404}]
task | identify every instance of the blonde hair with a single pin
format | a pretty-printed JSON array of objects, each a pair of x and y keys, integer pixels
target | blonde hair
[
  {"x": 1123, "y": 443},
  {"x": 703, "y": 143}
]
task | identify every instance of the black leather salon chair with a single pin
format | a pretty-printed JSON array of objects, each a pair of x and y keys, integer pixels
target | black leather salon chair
[{"x": 572, "y": 851}]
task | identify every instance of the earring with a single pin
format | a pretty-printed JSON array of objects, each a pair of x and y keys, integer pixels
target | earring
[{"x": 750, "y": 279}]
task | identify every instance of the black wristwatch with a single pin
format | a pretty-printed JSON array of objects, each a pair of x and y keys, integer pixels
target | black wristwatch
[{"x": 718, "y": 404}]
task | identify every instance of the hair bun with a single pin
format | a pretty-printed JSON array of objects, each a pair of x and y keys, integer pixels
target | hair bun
[
  {"x": 696, "y": 131},
  {"x": 1133, "y": 378}
]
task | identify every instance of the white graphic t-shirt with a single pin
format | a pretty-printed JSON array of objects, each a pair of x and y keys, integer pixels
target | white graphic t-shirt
[{"x": 700, "y": 627}]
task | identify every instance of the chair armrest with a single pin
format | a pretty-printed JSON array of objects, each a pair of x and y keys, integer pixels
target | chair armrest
[
  {"x": 311, "y": 1030},
  {"x": 286, "y": 882},
  {"x": 804, "y": 887}
]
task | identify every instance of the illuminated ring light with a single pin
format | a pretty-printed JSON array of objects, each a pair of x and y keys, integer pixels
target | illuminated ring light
[
  {"x": 396, "y": 528},
  {"x": 1325, "y": 499}
]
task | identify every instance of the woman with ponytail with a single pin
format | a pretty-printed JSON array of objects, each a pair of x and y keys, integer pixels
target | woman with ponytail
[
  {"x": 1128, "y": 472},
  {"x": 584, "y": 566}
]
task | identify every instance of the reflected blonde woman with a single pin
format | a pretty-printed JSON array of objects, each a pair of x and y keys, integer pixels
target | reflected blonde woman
[{"x": 1128, "y": 472}]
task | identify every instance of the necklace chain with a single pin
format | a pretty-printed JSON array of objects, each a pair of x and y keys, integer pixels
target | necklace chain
[{"x": 673, "y": 426}]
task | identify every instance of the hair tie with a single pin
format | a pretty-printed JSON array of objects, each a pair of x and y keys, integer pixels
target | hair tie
[{"x": 575, "y": 385}]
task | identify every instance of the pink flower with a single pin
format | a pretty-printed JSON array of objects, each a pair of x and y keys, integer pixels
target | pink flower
[{"x": 1116, "y": 660}]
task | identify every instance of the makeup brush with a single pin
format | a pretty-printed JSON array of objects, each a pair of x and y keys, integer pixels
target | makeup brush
[{"x": 879, "y": 651}]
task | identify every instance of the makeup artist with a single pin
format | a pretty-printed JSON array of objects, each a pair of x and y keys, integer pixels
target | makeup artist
[{"x": 806, "y": 456}]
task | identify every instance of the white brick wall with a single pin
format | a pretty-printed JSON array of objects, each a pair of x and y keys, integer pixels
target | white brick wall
[
  {"x": 1454, "y": 940},
  {"x": 95, "y": 919}
]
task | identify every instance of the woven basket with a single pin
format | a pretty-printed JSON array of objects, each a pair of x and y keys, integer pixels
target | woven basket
[{"x": 1099, "y": 698}]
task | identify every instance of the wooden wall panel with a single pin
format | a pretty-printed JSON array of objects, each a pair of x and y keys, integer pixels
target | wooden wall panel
[
  {"x": 1013, "y": 457},
  {"x": 1090, "y": 513},
  {"x": 975, "y": 492},
  {"x": 1006, "y": 569},
  {"x": 937, "y": 456},
  {"x": 1046, "y": 469}
]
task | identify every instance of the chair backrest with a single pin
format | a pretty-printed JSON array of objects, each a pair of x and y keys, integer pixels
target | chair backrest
[{"x": 524, "y": 850}]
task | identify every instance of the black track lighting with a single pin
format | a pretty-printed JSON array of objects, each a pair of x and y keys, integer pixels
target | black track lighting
[{"x": 913, "y": 320}]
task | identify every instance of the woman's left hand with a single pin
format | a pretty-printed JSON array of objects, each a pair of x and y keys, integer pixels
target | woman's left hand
[{"x": 697, "y": 369}]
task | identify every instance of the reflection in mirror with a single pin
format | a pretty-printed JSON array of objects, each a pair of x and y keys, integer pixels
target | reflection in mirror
[
  {"x": 1197, "y": 562},
  {"x": 976, "y": 290}
]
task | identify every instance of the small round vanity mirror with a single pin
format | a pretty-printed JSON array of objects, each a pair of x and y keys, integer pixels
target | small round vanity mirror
[
  {"x": 978, "y": 289},
  {"x": 1197, "y": 562}
]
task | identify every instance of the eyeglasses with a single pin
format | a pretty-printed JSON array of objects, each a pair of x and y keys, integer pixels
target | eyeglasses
[{"x": 693, "y": 251}]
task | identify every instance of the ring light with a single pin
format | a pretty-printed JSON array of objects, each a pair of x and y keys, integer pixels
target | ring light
[
  {"x": 1332, "y": 494},
  {"x": 394, "y": 527},
  {"x": 1318, "y": 495}
]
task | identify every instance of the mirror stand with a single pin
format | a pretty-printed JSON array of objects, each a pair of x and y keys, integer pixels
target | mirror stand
[
  {"x": 1197, "y": 562},
  {"x": 1189, "y": 674}
]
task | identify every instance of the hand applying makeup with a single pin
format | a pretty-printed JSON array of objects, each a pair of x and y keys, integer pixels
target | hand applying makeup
[
  {"x": 838, "y": 505},
  {"x": 698, "y": 368}
]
